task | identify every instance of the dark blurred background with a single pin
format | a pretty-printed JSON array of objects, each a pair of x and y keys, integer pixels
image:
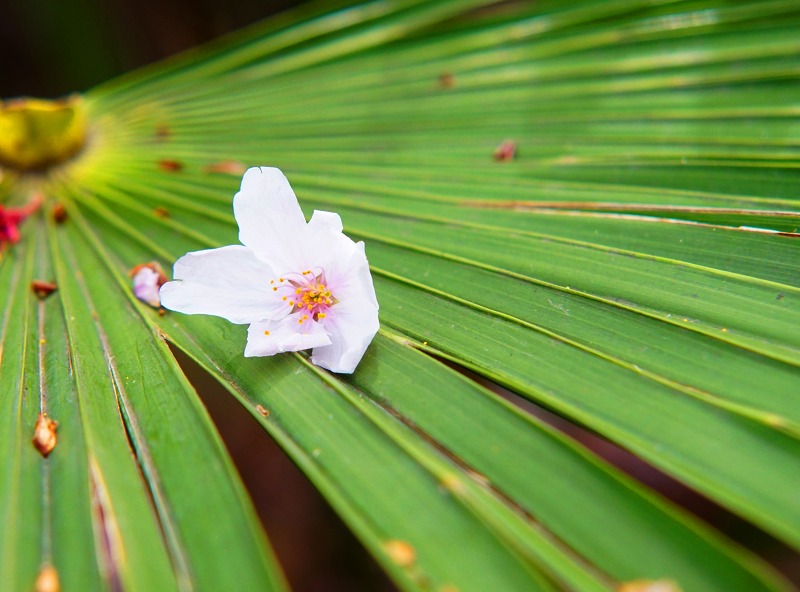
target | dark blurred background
[{"x": 54, "y": 47}]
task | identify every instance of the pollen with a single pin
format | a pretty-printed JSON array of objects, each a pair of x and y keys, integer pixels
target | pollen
[
  {"x": 274, "y": 289},
  {"x": 266, "y": 333},
  {"x": 312, "y": 298},
  {"x": 272, "y": 281}
]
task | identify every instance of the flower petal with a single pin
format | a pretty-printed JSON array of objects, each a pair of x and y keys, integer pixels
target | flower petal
[
  {"x": 322, "y": 221},
  {"x": 270, "y": 220},
  {"x": 351, "y": 279},
  {"x": 230, "y": 282},
  {"x": 333, "y": 251},
  {"x": 145, "y": 286},
  {"x": 353, "y": 321},
  {"x": 267, "y": 338},
  {"x": 351, "y": 331}
]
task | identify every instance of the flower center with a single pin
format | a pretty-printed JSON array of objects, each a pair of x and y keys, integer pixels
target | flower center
[{"x": 305, "y": 292}]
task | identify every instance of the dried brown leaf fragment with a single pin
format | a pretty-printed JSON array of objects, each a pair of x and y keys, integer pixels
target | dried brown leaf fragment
[
  {"x": 447, "y": 80},
  {"x": 229, "y": 167},
  {"x": 170, "y": 166},
  {"x": 47, "y": 580},
  {"x": 400, "y": 552},
  {"x": 43, "y": 288},
  {"x": 59, "y": 213},
  {"x": 506, "y": 151},
  {"x": 44, "y": 435},
  {"x": 163, "y": 131}
]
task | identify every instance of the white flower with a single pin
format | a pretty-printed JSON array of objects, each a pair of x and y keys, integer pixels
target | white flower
[{"x": 298, "y": 285}]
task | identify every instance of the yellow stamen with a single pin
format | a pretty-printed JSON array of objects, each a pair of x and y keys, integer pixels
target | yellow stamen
[
  {"x": 266, "y": 332},
  {"x": 284, "y": 298},
  {"x": 274, "y": 289},
  {"x": 321, "y": 315}
]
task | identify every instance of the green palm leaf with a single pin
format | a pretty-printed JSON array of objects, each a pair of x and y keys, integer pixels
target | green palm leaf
[{"x": 634, "y": 269}]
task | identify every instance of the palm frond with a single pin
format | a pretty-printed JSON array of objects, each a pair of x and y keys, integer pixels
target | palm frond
[{"x": 633, "y": 269}]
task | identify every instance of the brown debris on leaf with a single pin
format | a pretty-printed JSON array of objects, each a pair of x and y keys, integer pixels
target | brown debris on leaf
[
  {"x": 44, "y": 435},
  {"x": 506, "y": 151},
  {"x": 453, "y": 483},
  {"x": 229, "y": 167},
  {"x": 649, "y": 586},
  {"x": 47, "y": 580},
  {"x": 42, "y": 288},
  {"x": 447, "y": 80},
  {"x": 400, "y": 552},
  {"x": 262, "y": 410},
  {"x": 59, "y": 213},
  {"x": 161, "y": 212},
  {"x": 170, "y": 166},
  {"x": 163, "y": 132}
]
